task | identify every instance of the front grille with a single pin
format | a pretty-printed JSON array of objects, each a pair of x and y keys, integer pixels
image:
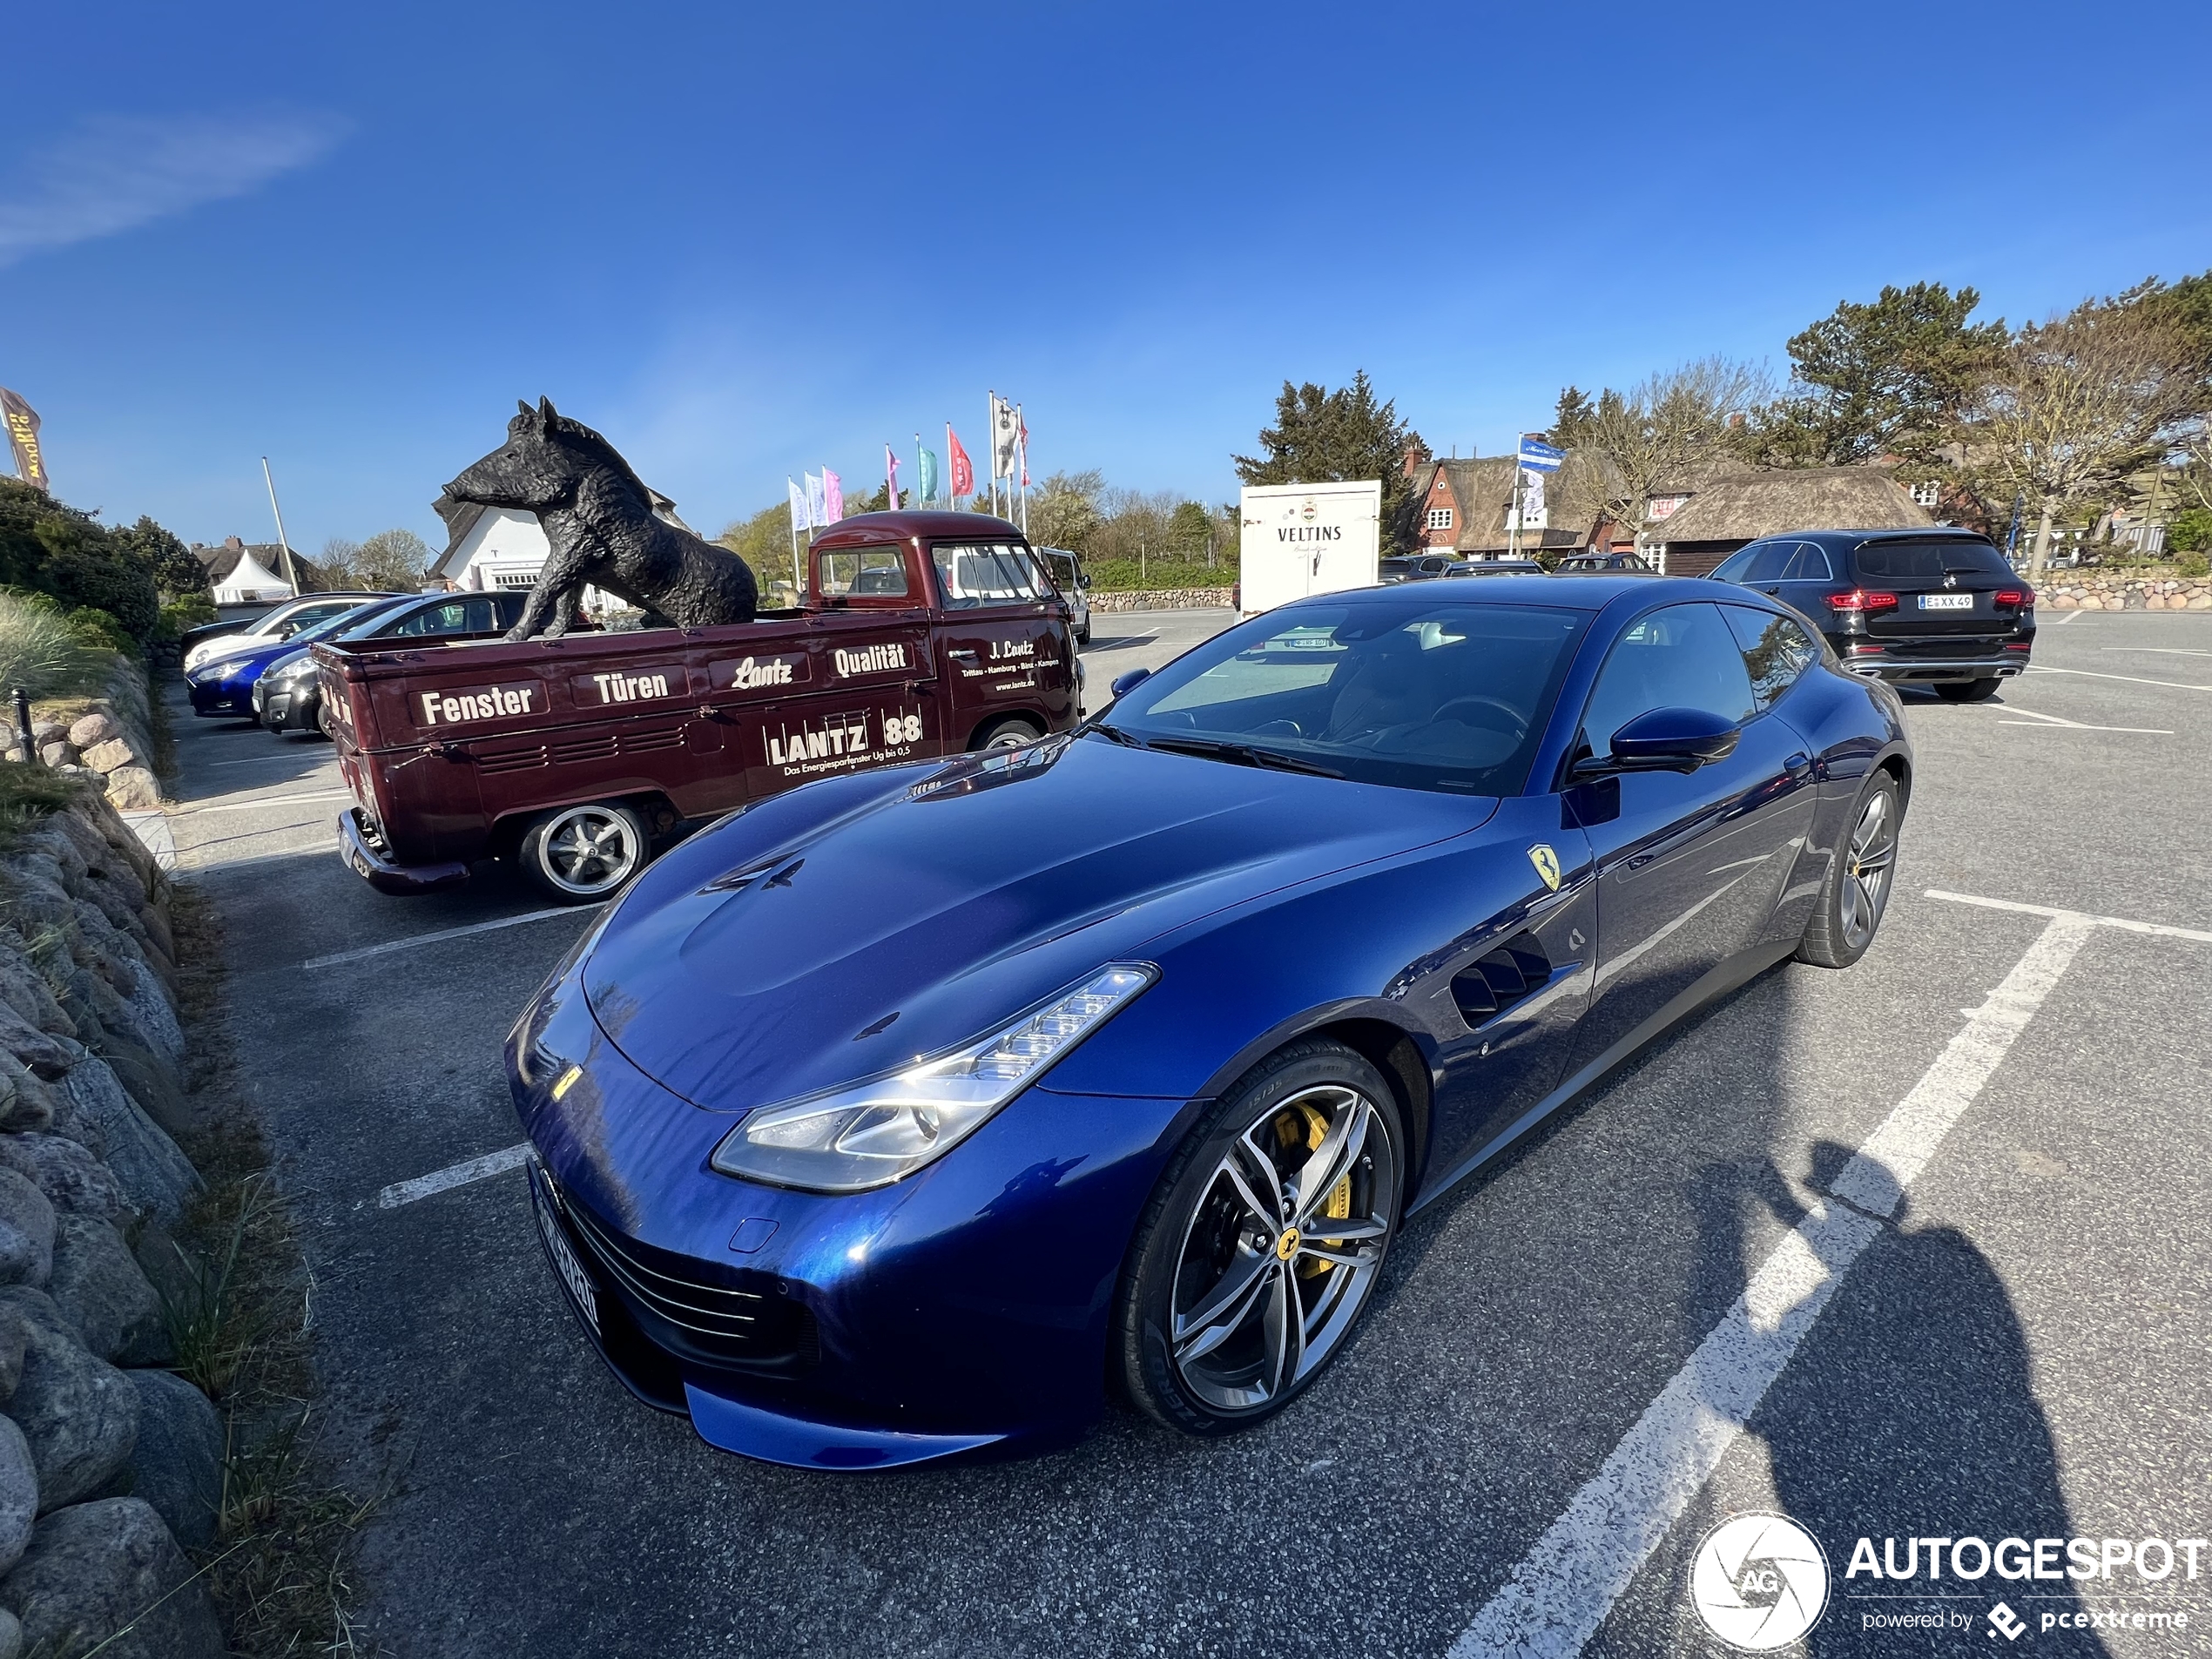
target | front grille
[
  {"x": 745, "y": 1322},
  {"x": 1497, "y": 982}
]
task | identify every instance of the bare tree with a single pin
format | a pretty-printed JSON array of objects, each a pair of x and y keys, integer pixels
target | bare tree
[
  {"x": 1675, "y": 427},
  {"x": 2080, "y": 402},
  {"x": 1064, "y": 511}
]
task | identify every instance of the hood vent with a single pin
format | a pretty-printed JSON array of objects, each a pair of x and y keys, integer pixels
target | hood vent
[{"x": 1490, "y": 985}]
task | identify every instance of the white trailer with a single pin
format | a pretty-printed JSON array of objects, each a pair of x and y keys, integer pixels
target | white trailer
[{"x": 1303, "y": 539}]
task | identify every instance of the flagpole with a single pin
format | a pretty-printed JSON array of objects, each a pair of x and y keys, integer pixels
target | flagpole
[
  {"x": 919, "y": 480},
  {"x": 284, "y": 547},
  {"x": 951, "y": 500},
  {"x": 1021, "y": 450}
]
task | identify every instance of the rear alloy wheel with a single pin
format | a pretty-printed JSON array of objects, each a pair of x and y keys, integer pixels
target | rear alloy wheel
[
  {"x": 1857, "y": 888},
  {"x": 1263, "y": 1243},
  {"x": 1968, "y": 690},
  {"x": 1008, "y": 734},
  {"x": 580, "y": 855}
]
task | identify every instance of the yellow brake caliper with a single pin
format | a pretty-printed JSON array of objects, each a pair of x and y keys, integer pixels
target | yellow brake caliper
[{"x": 1315, "y": 1128}]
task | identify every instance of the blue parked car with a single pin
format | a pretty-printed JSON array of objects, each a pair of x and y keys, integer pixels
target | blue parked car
[
  {"x": 223, "y": 687},
  {"x": 917, "y": 1112}
]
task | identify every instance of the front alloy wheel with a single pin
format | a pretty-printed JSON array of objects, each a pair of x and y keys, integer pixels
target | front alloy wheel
[
  {"x": 1266, "y": 1244},
  {"x": 1857, "y": 888},
  {"x": 582, "y": 853}
]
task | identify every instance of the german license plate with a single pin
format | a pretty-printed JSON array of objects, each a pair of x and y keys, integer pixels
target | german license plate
[
  {"x": 564, "y": 1262},
  {"x": 1946, "y": 602}
]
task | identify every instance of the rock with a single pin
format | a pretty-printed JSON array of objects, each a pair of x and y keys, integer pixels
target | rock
[
  {"x": 95, "y": 727},
  {"x": 112, "y": 756},
  {"x": 57, "y": 754},
  {"x": 15, "y": 1341},
  {"x": 108, "y": 1574},
  {"x": 99, "y": 1286},
  {"x": 174, "y": 1275},
  {"x": 150, "y": 1083},
  {"x": 134, "y": 789},
  {"x": 157, "y": 926},
  {"x": 18, "y": 1495},
  {"x": 25, "y": 1103},
  {"x": 26, "y": 1231},
  {"x": 75, "y": 1181},
  {"x": 30, "y": 996},
  {"x": 144, "y": 1163},
  {"x": 80, "y": 1415},
  {"x": 10, "y": 1635},
  {"x": 178, "y": 1465},
  {"x": 36, "y": 1049},
  {"x": 44, "y": 729},
  {"x": 156, "y": 1016}
]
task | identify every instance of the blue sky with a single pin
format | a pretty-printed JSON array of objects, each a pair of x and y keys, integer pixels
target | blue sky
[{"x": 745, "y": 241}]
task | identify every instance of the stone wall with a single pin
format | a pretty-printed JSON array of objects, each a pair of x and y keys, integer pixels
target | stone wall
[
  {"x": 111, "y": 742},
  {"x": 1165, "y": 599},
  {"x": 110, "y": 1463},
  {"x": 2118, "y": 591}
]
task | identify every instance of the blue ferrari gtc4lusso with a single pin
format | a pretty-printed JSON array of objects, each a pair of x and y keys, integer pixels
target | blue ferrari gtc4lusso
[{"x": 917, "y": 1112}]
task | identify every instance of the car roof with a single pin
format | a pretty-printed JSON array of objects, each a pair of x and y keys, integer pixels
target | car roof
[
  {"x": 1860, "y": 538},
  {"x": 873, "y": 530}
]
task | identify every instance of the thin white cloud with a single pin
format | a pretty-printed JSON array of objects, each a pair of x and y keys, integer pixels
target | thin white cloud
[{"x": 114, "y": 173}]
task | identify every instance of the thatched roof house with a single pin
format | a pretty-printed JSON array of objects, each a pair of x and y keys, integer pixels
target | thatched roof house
[
  {"x": 1464, "y": 505},
  {"x": 1722, "y": 513}
]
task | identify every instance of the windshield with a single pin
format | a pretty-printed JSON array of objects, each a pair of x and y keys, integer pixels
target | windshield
[
  {"x": 1422, "y": 694},
  {"x": 991, "y": 573},
  {"x": 1928, "y": 561}
]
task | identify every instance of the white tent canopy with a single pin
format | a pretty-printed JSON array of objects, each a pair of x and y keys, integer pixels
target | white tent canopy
[{"x": 251, "y": 583}]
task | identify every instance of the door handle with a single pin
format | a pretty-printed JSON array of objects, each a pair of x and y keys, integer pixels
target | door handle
[
  {"x": 1770, "y": 590},
  {"x": 962, "y": 654},
  {"x": 921, "y": 688}
]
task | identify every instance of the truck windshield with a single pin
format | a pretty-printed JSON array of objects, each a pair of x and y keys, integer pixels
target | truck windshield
[
  {"x": 864, "y": 572},
  {"x": 1426, "y": 694},
  {"x": 989, "y": 573}
]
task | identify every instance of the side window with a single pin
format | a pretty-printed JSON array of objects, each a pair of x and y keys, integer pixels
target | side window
[
  {"x": 1732, "y": 568},
  {"x": 864, "y": 573},
  {"x": 994, "y": 573},
  {"x": 1810, "y": 564},
  {"x": 1775, "y": 651},
  {"x": 1684, "y": 656},
  {"x": 432, "y": 620},
  {"x": 1769, "y": 561}
]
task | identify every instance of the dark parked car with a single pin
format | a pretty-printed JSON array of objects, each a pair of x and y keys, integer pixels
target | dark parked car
[
  {"x": 1074, "y": 583},
  {"x": 1494, "y": 567},
  {"x": 1604, "y": 564},
  {"x": 288, "y": 696},
  {"x": 1411, "y": 567},
  {"x": 1934, "y": 607},
  {"x": 918, "y": 1111}
]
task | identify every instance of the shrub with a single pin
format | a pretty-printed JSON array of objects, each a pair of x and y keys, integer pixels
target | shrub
[
  {"x": 2190, "y": 532},
  {"x": 2193, "y": 564},
  {"x": 41, "y": 651}
]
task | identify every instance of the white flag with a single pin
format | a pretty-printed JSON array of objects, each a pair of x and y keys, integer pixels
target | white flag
[
  {"x": 798, "y": 519},
  {"x": 1532, "y": 517},
  {"x": 1006, "y": 439},
  {"x": 817, "y": 513}
]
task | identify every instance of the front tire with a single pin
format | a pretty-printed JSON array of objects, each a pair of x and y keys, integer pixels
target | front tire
[
  {"x": 1856, "y": 892},
  {"x": 1968, "y": 690},
  {"x": 583, "y": 854},
  {"x": 1263, "y": 1241},
  {"x": 1006, "y": 734}
]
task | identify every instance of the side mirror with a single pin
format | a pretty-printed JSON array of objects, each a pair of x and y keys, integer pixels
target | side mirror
[
  {"x": 1123, "y": 685},
  {"x": 1083, "y": 581},
  {"x": 1667, "y": 740}
]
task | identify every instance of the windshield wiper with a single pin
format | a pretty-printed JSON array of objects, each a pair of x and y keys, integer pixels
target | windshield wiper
[
  {"x": 1115, "y": 732},
  {"x": 1244, "y": 754}
]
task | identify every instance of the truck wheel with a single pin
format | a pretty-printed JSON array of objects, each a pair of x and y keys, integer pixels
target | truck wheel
[
  {"x": 1006, "y": 734},
  {"x": 581, "y": 854}
]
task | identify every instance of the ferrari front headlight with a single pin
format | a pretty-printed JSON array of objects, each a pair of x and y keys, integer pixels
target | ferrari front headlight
[{"x": 872, "y": 1133}]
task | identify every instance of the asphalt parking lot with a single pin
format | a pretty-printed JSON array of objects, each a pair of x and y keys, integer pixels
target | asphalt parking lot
[{"x": 1565, "y": 1382}]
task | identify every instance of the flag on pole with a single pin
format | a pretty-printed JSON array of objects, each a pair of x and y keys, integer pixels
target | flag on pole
[
  {"x": 798, "y": 519},
  {"x": 1540, "y": 457},
  {"x": 1025, "y": 446},
  {"x": 1006, "y": 439},
  {"x": 832, "y": 497},
  {"x": 891, "y": 477},
  {"x": 816, "y": 518},
  {"x": 23, "y": 438},
  {"x": 926, "y": 475},
  {"x": 963, "y": 468}
]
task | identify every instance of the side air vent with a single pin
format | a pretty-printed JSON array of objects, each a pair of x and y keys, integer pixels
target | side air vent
[{"x": 1487, "y": 987}]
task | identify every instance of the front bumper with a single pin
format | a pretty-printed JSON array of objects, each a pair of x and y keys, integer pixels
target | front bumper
[
  {"x": 365, "y": 855},
  {"x": 286, "y": 708},
  {"x": 960, "y": 1312},
  {"x": 220, "y": 699}
]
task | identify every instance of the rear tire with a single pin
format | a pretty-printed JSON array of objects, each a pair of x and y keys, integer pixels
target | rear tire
[
  {"x": 1860, "y": 877},
  {"x": 1010, "y": 733},
  {"x": 583, "y": 854},
  {"x": 1968, "y": 690},
  {"x": 1263, "y": 1241}
]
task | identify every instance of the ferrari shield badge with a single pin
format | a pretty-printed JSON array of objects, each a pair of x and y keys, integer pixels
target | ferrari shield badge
[{"x": 1547, "y": 863}]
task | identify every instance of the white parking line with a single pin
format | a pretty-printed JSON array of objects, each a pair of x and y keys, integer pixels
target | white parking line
[
  {"x": 2055, "y": 724},
  {"x": 1561, "y": 1592},
  {"x": 2068, "y": 618},
  {"x": 265, "y": 800},
  {"x": 2123, "y": 922},
  {"x": 2179, "y": 685},
  {"x": 2157, "y": 650},
  {"x": 413, "y": 939},
  {"x": 458, "y": 1175}
]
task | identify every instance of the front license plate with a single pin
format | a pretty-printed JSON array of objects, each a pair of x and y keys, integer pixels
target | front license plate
[
  {"x": 564, "y": 1262},
  {"x": 1946, "y": 602}
]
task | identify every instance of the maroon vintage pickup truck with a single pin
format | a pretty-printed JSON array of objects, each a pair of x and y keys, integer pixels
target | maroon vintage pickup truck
[{"x": 923, "y": 634}]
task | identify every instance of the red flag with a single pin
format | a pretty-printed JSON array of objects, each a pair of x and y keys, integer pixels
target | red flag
[
  {"x": 1025, "y": 452},
  {"x": 963, "y": 468}
]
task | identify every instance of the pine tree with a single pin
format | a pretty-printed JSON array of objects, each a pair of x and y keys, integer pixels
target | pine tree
[{"x": 1320, "y": 436}]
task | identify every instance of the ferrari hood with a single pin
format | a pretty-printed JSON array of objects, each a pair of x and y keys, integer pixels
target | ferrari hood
[{"x": 847, "y": 927}]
